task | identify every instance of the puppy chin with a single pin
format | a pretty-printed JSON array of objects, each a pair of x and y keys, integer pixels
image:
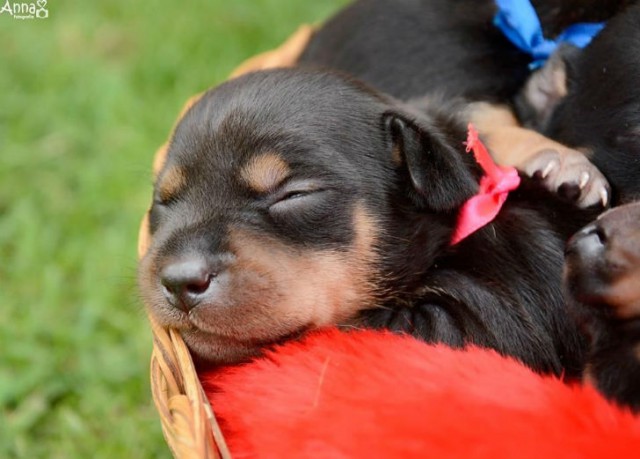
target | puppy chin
[
  {"x": 225, "y": 341},
  {"x": 250, "y": 321},
  {"x": 212, "y": 349}
]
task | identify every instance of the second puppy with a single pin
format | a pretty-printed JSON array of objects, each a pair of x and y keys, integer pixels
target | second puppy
[{"x": 591, "y": 102}]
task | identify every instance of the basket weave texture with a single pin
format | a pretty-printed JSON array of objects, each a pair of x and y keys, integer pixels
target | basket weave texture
[{"x": 188, "y": 421}]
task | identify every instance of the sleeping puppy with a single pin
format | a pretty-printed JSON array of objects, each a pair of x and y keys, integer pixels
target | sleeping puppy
[
  {"x": 452, "y": 50},
  {"x": 591, "y": 102},
  {"x": 295, "y": 199},
  {"x": 602, "y": 274}
]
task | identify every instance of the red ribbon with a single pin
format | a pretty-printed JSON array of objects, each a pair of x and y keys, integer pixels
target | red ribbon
[{"x": 495, "y": 186}]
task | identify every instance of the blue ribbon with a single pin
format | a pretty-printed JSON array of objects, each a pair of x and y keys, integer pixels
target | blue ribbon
[{"x": 518, "y": 20}]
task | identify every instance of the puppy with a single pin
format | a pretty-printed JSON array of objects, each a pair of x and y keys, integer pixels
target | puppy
[
  {"x": 591, "y": 102},
  {"x": 602, "y": 275},
  {"x": 294, "y": 199},
  {"x": 411, "y": 48},
  {"x": 451, "y": 50}
]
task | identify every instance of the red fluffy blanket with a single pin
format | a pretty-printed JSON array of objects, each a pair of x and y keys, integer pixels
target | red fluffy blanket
[{"x": 370, "y": 394}]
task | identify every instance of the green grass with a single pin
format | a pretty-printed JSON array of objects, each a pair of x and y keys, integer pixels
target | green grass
[{"x": 85, "y": 98}]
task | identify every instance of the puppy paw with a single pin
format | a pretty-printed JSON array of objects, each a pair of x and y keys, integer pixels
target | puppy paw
[
  {"x": 602, "y": 264},
  {"x": 571, "y": 175}
]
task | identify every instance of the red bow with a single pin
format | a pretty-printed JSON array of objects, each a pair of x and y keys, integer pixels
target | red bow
[{"x": 495, "y": 186}]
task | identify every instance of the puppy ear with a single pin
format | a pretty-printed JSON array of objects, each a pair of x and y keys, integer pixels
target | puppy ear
[
  {"x": 440, "y": 178},
  {"x": 546, "y": 88}
]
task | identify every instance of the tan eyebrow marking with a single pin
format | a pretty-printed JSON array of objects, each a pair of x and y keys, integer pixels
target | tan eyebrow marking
[
  {"x": 170, "y": 182},
  {"x": 144, "y": 236},
  {"x": 265, "y": 172}
]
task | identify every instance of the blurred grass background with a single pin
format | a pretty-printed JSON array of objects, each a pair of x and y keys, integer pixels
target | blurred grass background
[{"x": 86, "y": 96}]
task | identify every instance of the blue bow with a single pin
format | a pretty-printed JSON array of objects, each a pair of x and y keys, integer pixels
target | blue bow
[{"x": 519, "y": 22}]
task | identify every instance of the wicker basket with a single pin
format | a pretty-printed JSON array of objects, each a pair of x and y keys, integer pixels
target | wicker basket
[{"x": 188, "y": 421}]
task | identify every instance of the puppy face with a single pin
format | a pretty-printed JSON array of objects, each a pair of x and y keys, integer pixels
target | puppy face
[
  {"x": 603, "y": 261},
  {"x": 271, "y": 211}
]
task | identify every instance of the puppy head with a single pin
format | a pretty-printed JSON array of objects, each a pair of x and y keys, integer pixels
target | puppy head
[
  {"x": 602, "y": 265},
  {"x": 273, "y": 210}
]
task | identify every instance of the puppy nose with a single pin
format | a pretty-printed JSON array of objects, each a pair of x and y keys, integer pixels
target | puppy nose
[
  {"x": 186, "y": 282},
  {"x": 590, "y": 241},
  {"x": 598, "y": 232}
]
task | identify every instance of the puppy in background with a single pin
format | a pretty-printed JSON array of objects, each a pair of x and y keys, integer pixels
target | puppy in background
[
  {"x": 438, "y": 50},
  {"x": 589, "y": 100},
  {"x": 602, "y": 277}
]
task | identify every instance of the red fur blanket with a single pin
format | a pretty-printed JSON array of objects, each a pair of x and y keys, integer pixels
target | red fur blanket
[{"x": 371, "y": 394}]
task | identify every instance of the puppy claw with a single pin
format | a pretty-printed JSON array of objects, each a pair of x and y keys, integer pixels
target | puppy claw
[
  {"x": 604, "y": 197},
  {"x": 547, "y": 170},
  {"x": 584, "y": 179}
]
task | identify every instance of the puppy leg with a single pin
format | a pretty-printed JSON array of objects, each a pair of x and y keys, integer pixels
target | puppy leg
[
  {"x": 545, "y": 89},
  {"x": 562, "y": 170},
  {"x": 602, "y": 276}
]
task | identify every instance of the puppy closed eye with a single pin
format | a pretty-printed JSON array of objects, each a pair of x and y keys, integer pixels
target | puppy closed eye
[{"x": 296, "y": 195}]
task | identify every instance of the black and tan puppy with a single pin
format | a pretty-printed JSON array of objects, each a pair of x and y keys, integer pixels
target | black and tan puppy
[
  {"x": 451, "y": 50},
  {"x": 296, "y": 199},
  {"x": 592, "y": 102},
  {"x": 602, "y": 275}
]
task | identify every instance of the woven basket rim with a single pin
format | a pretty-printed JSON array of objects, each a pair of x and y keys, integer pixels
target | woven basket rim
[{"x": 188, "y": 422}]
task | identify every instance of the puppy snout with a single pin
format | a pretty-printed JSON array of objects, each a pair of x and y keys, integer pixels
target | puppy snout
[
  {"x": 589, "y": 240},
  {"x": 187, "y": 282}
]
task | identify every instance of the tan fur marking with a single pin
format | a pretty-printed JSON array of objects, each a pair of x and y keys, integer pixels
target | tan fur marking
[
  {"x": 170, "y": 182},
  {"x": 636, "y": 352},
  {"x": 509, "y": 143},
  {"x": 623, "y": 254},
  {"x": 265, "y": 172},
  {"x": 144, "y": 236},
  {"x": 396, "y": 155},
  {"x": 624, "y": 295}
]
